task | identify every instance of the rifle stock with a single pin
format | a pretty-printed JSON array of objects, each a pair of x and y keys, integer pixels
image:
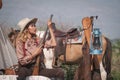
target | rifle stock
[{"x": 42, "y": 42}]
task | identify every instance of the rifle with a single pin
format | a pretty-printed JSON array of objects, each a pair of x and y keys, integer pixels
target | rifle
[
  {"x": 42, "y": 42},
  {"x": 46, "y": 31}
]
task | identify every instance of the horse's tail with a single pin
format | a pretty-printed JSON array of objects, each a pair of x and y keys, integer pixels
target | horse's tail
[{"x": 107, "y": 59}]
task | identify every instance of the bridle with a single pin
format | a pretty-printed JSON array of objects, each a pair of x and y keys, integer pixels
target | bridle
[{"x": 91, "y": 18}]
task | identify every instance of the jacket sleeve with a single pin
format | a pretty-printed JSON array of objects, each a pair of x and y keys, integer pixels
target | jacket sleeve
[{"x": 19, "y": 49}]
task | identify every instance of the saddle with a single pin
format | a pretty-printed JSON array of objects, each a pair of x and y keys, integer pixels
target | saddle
[
  {"x": 72, "y": 33},
  {"x": 60, "y": 49}
]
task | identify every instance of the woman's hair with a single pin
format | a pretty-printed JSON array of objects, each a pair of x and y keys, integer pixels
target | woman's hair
[{"x": 23, "y": 36}]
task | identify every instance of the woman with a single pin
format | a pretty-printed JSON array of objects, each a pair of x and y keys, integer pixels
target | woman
[{"x": 28, "y": 48}]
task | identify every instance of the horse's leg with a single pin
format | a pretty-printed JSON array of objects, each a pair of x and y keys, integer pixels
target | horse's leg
[
  {"x": 84, "y": 70},
  {"x": 105, "y": 59},
  {"x": 79, "y": 71},
  {"x": 59, "y": 50},
  {"x": 100, "y": 58},
  {"x": 96, "y": 68},
  {"x": 103, "y": 72},
  {"x": 86, "y": 62},
  {"x": 108, "y": 55}
]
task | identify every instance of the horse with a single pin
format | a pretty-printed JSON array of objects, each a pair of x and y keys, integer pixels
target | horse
[{"x": 73, "y": 53}]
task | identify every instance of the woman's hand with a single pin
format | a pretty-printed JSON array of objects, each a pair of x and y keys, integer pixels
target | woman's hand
[
  {"x": 25, "y": 60},
  {"x": 49, "y": 23},
  {"x": 48, "y": 43},
  {"x": 28, "y": 58},
  {"x": 38, "y": 40},
  {"x": 22, "y": 61},
  {"x": 53, "y": 41}
]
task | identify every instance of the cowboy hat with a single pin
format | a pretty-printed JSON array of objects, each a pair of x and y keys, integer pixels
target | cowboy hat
[{"x": 24, "y": 22}]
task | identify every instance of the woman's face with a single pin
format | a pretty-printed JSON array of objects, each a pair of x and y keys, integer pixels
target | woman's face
[{"x": 32, "y": 28}]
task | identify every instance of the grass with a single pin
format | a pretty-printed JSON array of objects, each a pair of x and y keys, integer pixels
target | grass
[{"x": 116, "y": 66}]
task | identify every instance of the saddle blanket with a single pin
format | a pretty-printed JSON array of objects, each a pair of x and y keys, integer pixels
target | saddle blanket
[
  {"x": 13, "y": 77},
  {"x": 79, "y": 39}
]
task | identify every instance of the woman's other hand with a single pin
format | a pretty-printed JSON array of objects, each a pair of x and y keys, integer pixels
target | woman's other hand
[{"x": 38, "y": 40}]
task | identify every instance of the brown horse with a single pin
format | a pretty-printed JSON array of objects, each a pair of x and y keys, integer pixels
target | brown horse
[
  {"x": 74, "y": 52},
  {"x": 101, "y": 60}
]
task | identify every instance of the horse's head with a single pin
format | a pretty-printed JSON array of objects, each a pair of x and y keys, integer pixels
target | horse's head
[
  {"x": 87, "y": 27},
  {"x": 86, "y": 22}
]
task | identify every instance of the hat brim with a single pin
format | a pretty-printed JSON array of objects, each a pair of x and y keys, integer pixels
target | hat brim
[{"x": 34, "y": 20}]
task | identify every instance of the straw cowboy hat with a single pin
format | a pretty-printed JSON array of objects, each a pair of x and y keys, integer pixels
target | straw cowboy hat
[{"x": 24, "y": 22}]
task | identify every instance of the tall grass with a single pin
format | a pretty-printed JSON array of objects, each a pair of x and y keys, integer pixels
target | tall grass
[
  {"x": 116, "y": 66},
  {"x": 116, "y": 60}
]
